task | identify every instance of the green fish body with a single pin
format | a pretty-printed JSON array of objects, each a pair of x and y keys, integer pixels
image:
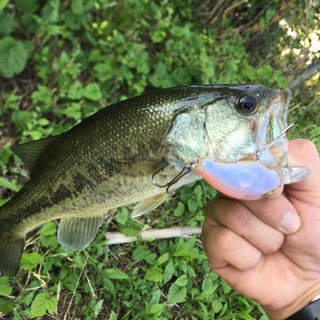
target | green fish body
[{"x": 110, "y": 158}]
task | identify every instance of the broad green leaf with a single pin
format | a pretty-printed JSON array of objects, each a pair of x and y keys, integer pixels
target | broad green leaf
[
  {"x": 225, "y": 286},
  {"x": 75, "y": 91},
  {"x": 154, "y": 274},
  {"x": 193, "y": 204},
  {"x": 92, "y": 92},
  {"x": 162, "y": 259},
  {"x": 122, "y": 215},
  {"x": 48, "y": 229},
  {"x": 5, "y": 288},
  {"x": 6, "y": 306},
  {"x": 130, "y": 228},
  {"x": 42, "y": 94},
  {"x": 176, "y": 294},
  {"x": 13, "y": 57},
  {"x": 7, "y": 184},
  {"x": 30, "y": 260},
  {"x": 115, "y": 274},
  {"x": 98, "y": 307},
  {"x": 109, "y": 286},
  {"x": 168, "y": 271},
  {"x": 155, "y": 298},
  {"x": 140, "y": 253},
  {"x": 179, "y": 211},
  {"x": 216, "y": 306},
  {"x": 181, "y": 281},
  {"x": 43, "y": 303}
]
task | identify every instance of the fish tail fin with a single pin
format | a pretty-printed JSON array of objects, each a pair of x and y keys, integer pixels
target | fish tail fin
[{"x": 11, "y": 248}]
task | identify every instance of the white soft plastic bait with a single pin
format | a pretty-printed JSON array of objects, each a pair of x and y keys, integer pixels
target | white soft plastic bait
[{"x": 248, "y": 180}]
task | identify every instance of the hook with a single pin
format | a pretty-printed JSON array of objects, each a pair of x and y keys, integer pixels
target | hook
[
  {"x": 185, "y": 170},
  {"x": 272, "y": 142}
]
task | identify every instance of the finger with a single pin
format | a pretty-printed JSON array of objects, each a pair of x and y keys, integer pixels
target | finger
[
  {"x": 278, "y": 213},
  {"x": 304, "y": 153},
  {"x": 238, "y": 218},
  {"x": 223, "y": 247}
]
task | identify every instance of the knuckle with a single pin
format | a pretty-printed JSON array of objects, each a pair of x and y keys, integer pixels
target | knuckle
[
  {"x": 237, "y": 217},
  {"x": 274, "y": 244}
]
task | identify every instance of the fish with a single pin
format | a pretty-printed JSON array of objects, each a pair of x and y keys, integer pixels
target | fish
[{"x": 137, "y": 151}]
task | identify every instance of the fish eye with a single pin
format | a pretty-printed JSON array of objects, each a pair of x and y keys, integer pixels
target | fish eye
[{"x": 247, "y": 105}]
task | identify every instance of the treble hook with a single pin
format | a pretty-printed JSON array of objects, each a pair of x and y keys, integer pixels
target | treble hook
[
  {"x": 272, "y": 142},
  {"x": 185, "y": 170}
]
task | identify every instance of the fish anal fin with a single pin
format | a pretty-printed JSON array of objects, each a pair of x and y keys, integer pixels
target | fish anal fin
[
  {"x": 11, "y": 249},
  {"x": 148, "y": 204},
  {"x": 29, "y": 152},
  {"x": 78, "y": 233}
]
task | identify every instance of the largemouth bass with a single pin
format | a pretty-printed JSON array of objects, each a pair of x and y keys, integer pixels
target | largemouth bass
[{"x": 135, "y": 151}]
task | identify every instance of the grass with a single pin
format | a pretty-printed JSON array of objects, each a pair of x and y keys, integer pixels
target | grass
[{"x": 78, "y": 56}]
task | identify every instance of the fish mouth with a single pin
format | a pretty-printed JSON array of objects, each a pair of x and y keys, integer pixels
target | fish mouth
[{"x": 270, "y": 127}]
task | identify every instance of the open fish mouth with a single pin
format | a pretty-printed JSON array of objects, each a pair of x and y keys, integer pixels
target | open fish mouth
[{"x": 270, "y": 134}]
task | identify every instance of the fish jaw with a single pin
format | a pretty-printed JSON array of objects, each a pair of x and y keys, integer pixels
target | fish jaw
[{"x": 269, "y": 127}]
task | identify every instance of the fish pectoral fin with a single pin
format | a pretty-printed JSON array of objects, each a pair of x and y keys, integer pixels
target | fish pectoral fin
[
  {"x": 148, "y": 204},
  {"x": 11, "y": 248},
  {"x": 29, "y": 152},
  {"x": 78, "y": 233}
]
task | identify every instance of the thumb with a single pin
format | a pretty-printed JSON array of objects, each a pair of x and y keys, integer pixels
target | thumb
[{"x": 304, "y": 153}]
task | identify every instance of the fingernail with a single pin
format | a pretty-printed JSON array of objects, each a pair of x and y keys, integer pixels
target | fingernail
[{"x": 290, "y": 223}]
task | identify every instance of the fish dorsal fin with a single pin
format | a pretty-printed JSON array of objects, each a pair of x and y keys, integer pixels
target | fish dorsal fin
[
  {"x": 148, "y": 204},
  {"x": 78, "y": 233},
  {"x": 29, "y": 152}
]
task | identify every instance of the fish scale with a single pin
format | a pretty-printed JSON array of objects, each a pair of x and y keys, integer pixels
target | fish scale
[{"x": 108, "y": 160}]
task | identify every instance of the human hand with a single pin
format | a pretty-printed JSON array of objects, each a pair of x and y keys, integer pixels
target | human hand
[{"x": 269, "y": 249}]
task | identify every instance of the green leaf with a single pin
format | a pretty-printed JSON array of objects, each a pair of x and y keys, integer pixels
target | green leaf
[
  {"x": 5, "y": 288},
  {"x": 92, "y": 92},
  {"x": 42, "y": 94},
  {"x": 140, "y": 253},
  {"x": 176, "y": 294},
  {"x": 77, "y": 7},
  {"x": 7, "y": 23},
  {"x": 168, "y": 271},
  {"x": 163, "y": 258},
  {"x": 113, "y": 316},
  {"x": 154, "y": 274},
  {"x": 130, "y": 229},
  {"x": 216, "y": 306},
  {"x": 7, "y": 184},
  {"x": 122, "y": 215},
  {"x": 75, "y": 91},
  {"x": 73, "y": 111},
  {"x": 20, "y": 118},
  {"x": 30, "y": 260},
  {"x": 192, "y": 205},
  {"x": 225, "y": 286},
  {"x": 179, "y": 211},
  {"x": 6, "y": 306},
  {"x": 115, "y": 274},
  {"x": 182, "y": 281},
  {"x": 110, "y": 286},
  {"x": 43, "y": 303},
  {"x": 3, "y": 3},
  {"x": 48, "y": 229},
  {"x": 98, "y": 307},
  {"x": 13, "y": 57}
]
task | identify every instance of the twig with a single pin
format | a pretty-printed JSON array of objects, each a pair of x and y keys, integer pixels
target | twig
[
  {"x": 75, "y": 289},
  {"x": 304, "y": 76},
  {"x": 117, "y": 237}
]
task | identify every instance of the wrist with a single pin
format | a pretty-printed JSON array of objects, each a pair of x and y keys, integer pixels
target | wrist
[{"x": 304, "y": 300}]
